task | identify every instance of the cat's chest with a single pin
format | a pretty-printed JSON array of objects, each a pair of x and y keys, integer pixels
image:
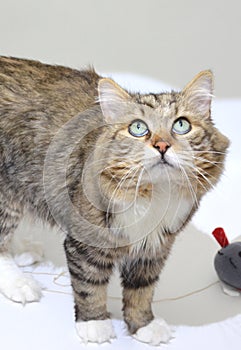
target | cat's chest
[{"x": 164, "y": 212}]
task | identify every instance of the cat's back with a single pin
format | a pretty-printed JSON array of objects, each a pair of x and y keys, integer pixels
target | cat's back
[
  {"x": 29, "y": 87},
  {"x": 36, "y": 100}
]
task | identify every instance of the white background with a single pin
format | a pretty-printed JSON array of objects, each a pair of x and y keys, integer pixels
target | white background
[{"x": 167, "y": 40}]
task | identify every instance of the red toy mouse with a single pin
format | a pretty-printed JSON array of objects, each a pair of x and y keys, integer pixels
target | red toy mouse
[{"x": 227, "y": 262}]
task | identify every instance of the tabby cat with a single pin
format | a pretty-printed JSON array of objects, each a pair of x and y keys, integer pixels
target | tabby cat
[{"x": 120, "y": 173}]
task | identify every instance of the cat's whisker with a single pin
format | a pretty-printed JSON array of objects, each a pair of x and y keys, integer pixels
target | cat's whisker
[
  {"x": 111, "y": 158},
  {"x": 110, "y": 173},
  {"x": 206, "y": 172},
  {"x": 122, "y": 180},
  {"x": 207, "y": 161},
  {"x": 134, "y": 174},
  {"x": 113, "y": 167},
  {"x": 190, "y": 180},
  {"x": 169, "y": 191},
  {"x": 194, "y": 175},
  {"x": 102, "y": 160},
  {"x": 198, "y": 180},
  {"x": 135, "y": 170},
  {"x": 115, "y": 164},
  {"x": 202, "y": 169},
  {"x": 196, "y": 169},
  {"x": 180, "y": 193},
  {"x": 128, "y": 176},
  {"x": 189, "y": 184},
  {"x": 92, "y": 165},
  {"x": 119, "y": 183},
  {"x": 203, "y": 152},
  {"x": 137, "y": 188}
]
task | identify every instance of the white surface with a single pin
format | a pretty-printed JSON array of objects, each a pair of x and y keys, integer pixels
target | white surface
[
  {"x": 213, "y": 320},
  {"x": 50, "y": 324},
  {"x": 170, "y": 40}
]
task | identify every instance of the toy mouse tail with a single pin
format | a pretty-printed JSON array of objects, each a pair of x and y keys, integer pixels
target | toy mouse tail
[{"x": 220, "y": 236}]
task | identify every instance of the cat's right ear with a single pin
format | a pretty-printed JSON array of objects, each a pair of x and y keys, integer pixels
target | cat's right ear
[{"x": 112, "y": 98}]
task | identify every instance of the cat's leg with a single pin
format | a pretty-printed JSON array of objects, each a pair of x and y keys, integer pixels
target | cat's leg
[
  {"x": 90, "y": 269},
  {"x": 139, "y": 277},
  {"x": 14, "y": 284}
]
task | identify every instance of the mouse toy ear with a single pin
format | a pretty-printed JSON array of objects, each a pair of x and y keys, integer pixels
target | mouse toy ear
[{"x": 220, "y": 236}]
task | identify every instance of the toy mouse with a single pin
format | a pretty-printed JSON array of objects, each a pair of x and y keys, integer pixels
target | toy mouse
[{"x": 227, "y": 263}]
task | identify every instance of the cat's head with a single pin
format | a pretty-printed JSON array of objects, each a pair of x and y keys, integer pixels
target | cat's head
[{"x": 160, "y": 138}]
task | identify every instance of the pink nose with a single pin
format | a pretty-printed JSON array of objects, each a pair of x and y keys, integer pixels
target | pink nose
[{"x": 162, "y": 146}]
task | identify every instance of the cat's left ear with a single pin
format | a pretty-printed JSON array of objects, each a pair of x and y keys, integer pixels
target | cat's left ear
[
  {"x": 199, "y": 92},
  {"x": 112, "y": 98}
]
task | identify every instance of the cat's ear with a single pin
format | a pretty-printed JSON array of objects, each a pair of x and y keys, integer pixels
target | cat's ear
[
  {"x": 199, "y": 92},
  {"x": 111, "y": 98}
]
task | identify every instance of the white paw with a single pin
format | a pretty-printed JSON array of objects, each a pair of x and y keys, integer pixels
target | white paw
[
  {"x": 28, "y": 258},
  {"x": 156, "y": 332},
  {"x": 14, "y": 284},
  {"x": 96, "y": 331},
  {"x": 21, "y": 289}
]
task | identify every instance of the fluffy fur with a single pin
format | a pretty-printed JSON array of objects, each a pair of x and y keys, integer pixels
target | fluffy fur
[{"x": 67, "y": 156}]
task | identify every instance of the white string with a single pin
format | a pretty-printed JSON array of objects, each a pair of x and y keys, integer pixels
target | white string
[{"x": 56, "y": 277}]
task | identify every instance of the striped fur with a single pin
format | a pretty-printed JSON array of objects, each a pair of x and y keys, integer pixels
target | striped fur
[{"x": 67, "y": 157}]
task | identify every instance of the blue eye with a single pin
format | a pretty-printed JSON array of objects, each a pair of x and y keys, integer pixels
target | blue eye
[
  {"x": 138, "y": 128},
  {"x": 181, "y": 126}
]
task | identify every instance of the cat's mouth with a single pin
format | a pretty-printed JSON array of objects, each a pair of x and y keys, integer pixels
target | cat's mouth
[{"x": 163, "y": 162}]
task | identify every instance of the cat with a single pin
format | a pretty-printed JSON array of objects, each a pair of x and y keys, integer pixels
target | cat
[{"x": 120, "y": 173}]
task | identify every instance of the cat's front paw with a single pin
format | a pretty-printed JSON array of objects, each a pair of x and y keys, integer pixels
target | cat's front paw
[
  {"x": 156, "y": 332},
  {"x": 21, "y": 289},
  {"x": 95, "y": 331}
]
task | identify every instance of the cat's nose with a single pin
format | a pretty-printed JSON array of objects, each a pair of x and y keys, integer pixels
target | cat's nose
[{"x": 162, "y": 146}]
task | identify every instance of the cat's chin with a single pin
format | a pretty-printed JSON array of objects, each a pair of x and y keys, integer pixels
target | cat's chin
[{"x": 163, "y": 173}]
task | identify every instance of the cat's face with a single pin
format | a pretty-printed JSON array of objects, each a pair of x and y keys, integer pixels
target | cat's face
[{"x": 161, "y": 139}]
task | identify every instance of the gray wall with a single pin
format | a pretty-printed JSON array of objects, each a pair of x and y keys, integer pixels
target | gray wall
[{"x": 168, "y": 40}]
